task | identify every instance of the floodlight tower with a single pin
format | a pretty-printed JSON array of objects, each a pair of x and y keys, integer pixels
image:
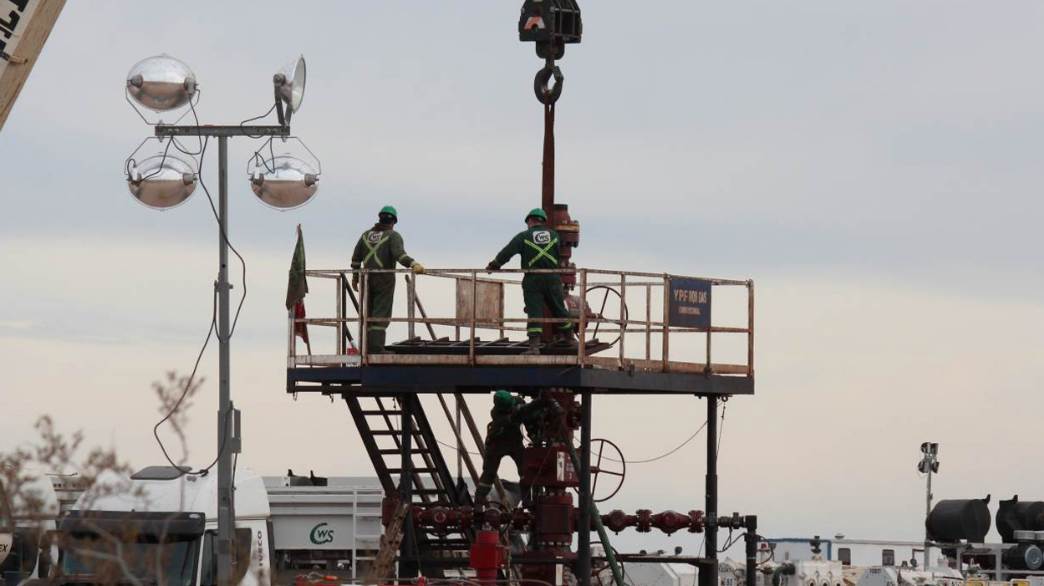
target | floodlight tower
[
  {"x": 928, "y": 465},
  {"x": 162, "y": 84}
]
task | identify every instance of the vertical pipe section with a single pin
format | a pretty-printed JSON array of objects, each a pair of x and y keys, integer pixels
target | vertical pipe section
[
  {"x": 583, "y": 547},
  {"x": 750, "y": 522},
  {"x": 407, "y": 552},
  {"x": 708, "y": 575},
  {"x": 411, "y": 300},
  {"x": 623, "y": 318},
  {"x": 474, "y": 308},
  {"x": 364, "y": 318},
  {"x": 648, "y": 322},
  {"x": 712, "y": 477},
  {"x": 581, "y": 351},
  {"x": 341, "y": 298},
  {"x": 226, "y": 498},
  {"x": 666, "y": 321},
  {"x": 750, "y": 328}
]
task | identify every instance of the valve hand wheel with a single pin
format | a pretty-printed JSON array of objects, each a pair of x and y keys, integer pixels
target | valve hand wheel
[
  {"x": 606, "y": 460},
  {"x": 614, "y": 312}
]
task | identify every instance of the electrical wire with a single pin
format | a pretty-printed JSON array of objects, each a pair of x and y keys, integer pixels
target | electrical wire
[
  {"x": 213, "y": 318},
  {"x": 224, "y": 237},
  {"x": 661, "y": 456},
  {"x": 721, "y": 428},
  {"x": 188, "y": 386},
  {"x": 265, "y": 115}
]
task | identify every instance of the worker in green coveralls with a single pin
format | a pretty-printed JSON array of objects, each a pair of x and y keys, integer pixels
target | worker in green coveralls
[
  {"x": 380, "y": 247},
  {"x": 538, "y": 247},
  {"x": 504, "y": 437}
]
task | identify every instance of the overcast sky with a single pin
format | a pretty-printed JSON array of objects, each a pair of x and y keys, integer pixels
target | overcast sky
[{"x": 875, "y": 167}]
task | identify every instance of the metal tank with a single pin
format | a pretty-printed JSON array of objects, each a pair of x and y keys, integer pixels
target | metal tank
[{"x": 959, "y": 520}]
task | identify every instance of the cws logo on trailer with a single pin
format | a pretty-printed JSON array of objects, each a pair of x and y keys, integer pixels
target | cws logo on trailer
[{"x": 321, "y": 534}]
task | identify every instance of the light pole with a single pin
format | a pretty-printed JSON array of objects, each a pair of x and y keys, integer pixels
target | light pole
[
  {"x": 164, "y": 83},
  {"x": 928, "y": 465}
]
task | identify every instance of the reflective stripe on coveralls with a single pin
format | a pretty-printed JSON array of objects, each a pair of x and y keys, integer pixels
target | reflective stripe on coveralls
[
  {"x": 542, "y": 252},
  {"x": 373, "y": 251}
]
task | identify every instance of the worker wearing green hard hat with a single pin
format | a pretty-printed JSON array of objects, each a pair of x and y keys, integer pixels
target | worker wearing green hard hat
[
  {"x": 380, "y": 247},
  {"x": 538, "y": 247},
  {"x": 504, "y": 437}
]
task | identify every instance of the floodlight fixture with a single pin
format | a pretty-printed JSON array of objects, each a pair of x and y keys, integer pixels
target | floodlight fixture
[
  {"x": 284, "y": 182},
  {"x": 162, "y": 182},
  {"x": 289, "y": 88},
  {"x": 161, "y": 83}
]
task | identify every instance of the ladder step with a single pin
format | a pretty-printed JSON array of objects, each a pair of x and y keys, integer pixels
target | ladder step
[
  {"x": 394, "y": 451},
  {"x": 395, "y": 432},
  {"x": 381, "y": 412},
  {"x": 419, "y": 470}
]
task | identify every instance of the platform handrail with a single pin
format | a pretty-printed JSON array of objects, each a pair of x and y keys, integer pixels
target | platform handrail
[{"x": 355, "y": 317}]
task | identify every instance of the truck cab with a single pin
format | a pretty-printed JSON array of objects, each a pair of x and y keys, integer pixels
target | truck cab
[
  {"x": 27, "y": 526},
  {"x": 159, "y": 526}
]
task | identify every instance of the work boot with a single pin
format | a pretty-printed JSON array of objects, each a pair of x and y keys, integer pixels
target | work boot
[
  {"x": 534, "y": 347},
  {"x": 375, "y": 342},
  {"x": 567, "y": 339}
]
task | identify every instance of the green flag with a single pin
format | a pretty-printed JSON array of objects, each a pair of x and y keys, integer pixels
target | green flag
[{"x": 297, "y": 287}]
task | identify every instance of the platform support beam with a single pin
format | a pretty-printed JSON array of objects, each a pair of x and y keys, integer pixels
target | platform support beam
[
  {"x": 583, "y": 547},
  {"x": 710, "y": 577}
]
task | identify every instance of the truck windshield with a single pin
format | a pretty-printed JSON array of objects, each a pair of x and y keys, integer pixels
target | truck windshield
[{"x": 171, "y": 562}]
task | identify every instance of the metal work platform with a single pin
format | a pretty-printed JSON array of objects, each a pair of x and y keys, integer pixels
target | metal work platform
[
  {"x": 641, "y": 333},
  {"x": 665, "y": 349}
]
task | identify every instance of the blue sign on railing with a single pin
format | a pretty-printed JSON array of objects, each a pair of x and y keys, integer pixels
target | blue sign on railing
[{"x": 690, "y": 303}]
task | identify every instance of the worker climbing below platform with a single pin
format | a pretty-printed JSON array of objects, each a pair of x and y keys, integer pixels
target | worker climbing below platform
[
  {"x": 380, "y": 247},
  {"x": 538, "y": 248},
  {"x": 504, "y": 437}
]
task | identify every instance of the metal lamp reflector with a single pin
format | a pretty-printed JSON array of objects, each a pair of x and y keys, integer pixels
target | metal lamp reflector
[
  {"x": 162, "y": 182},
  {"x": 161, "y": 83},
  {"x": 290, "y": 84},
  {"x": 284, "y": 182}
]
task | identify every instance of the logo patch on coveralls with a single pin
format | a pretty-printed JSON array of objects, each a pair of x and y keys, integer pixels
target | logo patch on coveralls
[
  {"x": 542, "y": 237},
  {"x": 374, "y": 237}
]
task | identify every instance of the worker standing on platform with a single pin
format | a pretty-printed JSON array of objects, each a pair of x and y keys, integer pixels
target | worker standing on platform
[
  {"x": 538, "y": 247},
  {"x": 380, "y": 247},
  {"x": 504, "y": 437}
]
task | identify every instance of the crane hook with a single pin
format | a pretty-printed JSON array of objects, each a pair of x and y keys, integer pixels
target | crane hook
[{"x": 544, "y": 93}]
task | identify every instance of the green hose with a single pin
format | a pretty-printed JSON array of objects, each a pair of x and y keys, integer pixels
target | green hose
[{"x": 597, "y": 518}]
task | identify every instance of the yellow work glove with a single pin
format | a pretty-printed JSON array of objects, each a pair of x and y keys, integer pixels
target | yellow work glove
[{"x": 418, "y": 268}]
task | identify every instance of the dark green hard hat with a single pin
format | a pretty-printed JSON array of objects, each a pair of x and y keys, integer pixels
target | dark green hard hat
[
  {"x": 390, "y": 210},
  {"x": 503, "y": 400},
  {"x": 536, "y": 213}
]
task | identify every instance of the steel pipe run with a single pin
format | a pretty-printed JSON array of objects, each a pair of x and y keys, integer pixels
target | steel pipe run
[{"x": 441, "y": 519}]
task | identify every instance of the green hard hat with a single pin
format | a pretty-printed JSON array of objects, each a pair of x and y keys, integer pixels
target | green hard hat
[
  {"x": 503, "y": 400},
  {"x": 537, "y": 212},
  {"x": 390, "y": 210}
]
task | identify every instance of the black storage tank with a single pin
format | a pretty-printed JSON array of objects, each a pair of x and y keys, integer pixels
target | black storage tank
[
  {"x": 1015, "y": 516},
  {"x": 959, "y": 520}
]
